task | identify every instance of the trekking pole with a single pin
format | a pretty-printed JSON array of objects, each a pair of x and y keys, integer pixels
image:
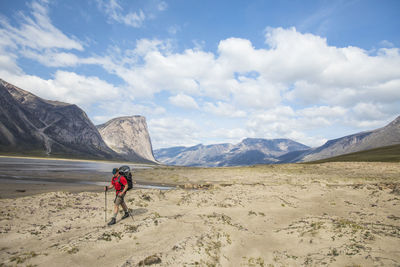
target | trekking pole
[
  {"x": 130, "y": 214},
  {"x": 105, "y": 205}
]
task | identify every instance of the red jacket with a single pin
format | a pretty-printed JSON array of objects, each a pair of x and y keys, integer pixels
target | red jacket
[{"x": 119, "y": 186}]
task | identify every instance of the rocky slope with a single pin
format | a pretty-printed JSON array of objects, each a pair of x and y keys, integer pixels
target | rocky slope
[
  {"x": 248, "y": 152},
  {"x": 129, "y": 137},
  {"x": 18, "y": 128},
  {"x": 31, "y": 124},
  {"x": 386, "y": 136}
]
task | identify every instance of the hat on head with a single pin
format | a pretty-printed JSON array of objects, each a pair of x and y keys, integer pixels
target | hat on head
[{"x": 115, "y": 170}]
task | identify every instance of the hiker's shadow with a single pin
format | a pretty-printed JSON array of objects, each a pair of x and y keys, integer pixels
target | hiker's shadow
[{"x": 139, "y": 211}]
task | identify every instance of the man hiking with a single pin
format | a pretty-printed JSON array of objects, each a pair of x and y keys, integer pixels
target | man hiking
[{"x": 120, "y": 184}]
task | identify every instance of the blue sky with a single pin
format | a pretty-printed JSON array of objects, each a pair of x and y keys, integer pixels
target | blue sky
[{"x": 212, "y": 71}]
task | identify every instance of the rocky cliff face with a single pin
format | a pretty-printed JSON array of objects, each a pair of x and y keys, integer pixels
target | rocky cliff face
[
  {"x": 31, "y": 123},
  {"x": 129, "y": 137},
  {"x": 248, "y": 152},
  {"x": 18, "y": 128}
]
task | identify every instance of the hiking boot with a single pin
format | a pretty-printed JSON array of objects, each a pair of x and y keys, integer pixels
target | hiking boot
[
  {"x": 126, "y": 215},
  {"x": 112, "y": 221}
]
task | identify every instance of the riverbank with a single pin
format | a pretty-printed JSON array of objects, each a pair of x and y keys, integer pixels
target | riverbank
[
  {"x": 23, "y": 176},
  {"x": 288, "y": 215}
]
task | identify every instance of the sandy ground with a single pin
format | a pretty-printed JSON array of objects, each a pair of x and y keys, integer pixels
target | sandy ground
[{"x": 336, "y": 214}]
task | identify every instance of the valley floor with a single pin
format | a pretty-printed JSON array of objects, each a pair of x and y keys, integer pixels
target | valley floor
[{"x": 333, "y": 214}]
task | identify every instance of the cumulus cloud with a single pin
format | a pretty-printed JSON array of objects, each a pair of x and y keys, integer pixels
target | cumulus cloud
[
  {"x": 119, "y": 107},
  {"x": 68, "y": 87},
  {"x": 296, "y": 67},
  {"x": 228, "y": 135},
  {"x": 224, "y": 109},
  {"x": 284, "y": 122},
  {"x": 323, "y": 111},
  {"x": 368, "y": 111},
  {"x": 295, "y": 84},
  {"x": 168, "y": 132},
  {"x": 183, "y": 101}
]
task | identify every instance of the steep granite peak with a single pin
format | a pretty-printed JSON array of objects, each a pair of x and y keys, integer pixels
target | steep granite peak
[{"x": 129, "y": 137}]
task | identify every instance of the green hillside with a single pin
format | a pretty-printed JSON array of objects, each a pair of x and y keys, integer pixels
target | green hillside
[{"x": 381, "y": 154}]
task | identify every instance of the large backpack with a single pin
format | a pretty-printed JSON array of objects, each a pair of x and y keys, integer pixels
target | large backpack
[{"x": 126, "y": 172}]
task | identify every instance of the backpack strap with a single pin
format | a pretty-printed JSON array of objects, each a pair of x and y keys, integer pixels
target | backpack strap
[{"x": 119, "y": 181}]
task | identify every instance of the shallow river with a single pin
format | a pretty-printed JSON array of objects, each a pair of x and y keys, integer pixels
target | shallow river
[{"x": 64, "y": 172}]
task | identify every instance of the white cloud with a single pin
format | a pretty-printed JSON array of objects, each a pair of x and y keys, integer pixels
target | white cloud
[
  {"x": 168, "y": 132},
  {"x": 35, "y": 37},
  {"x": 326, "y": 74},
  {"x": 68, "y": 87},
  {"x": 323, "y": 111},
  {"x": 325, "y": 83},
  {"x": 386, "y": 43},
  {"x": 183, "y": 101},
  {"x": 284, "y": 122},
  {"x": 256, "y": 93},
  {"x": 114, "y": 12},
  {"x": 173, "y": 29},
  {"x": 226, "y": 135},
  {"x": 296, "y": 67},
  {"x": 37, "y": 32},
  {"x": 224, "y": 109},
  {"x": 121, "y": 106},
  {"x": 52, "y": 58},
  {"x": 8, "y": 64},
  {"x": 241, "y": 80},
  {"x": 162, "y": 6},
  {"x": 371, "y": 115}
]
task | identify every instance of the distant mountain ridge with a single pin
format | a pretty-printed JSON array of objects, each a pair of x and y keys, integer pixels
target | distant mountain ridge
[
  {"x": 129, "y": 137},
  {"x": 380, "y": 154},
  {"x": 35, "y": 126},
  {"x": 385, "y": 136},
  {"x": 263, "y": 151},
  {"x": 249, "y": 151}
]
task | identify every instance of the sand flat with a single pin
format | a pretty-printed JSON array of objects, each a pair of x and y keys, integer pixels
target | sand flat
[{"x": 339, "y": 214}]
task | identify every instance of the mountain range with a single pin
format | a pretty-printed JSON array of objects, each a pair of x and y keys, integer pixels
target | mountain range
[
  {"x": 263, "y": 151},
  {"x": 249, "y": 151},
  {"x": 31, "y": 125},
  {"x": 385, "y": 136}
]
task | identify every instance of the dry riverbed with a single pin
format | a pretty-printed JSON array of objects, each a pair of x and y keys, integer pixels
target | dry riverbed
[{"x": 333, "y": 214}]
